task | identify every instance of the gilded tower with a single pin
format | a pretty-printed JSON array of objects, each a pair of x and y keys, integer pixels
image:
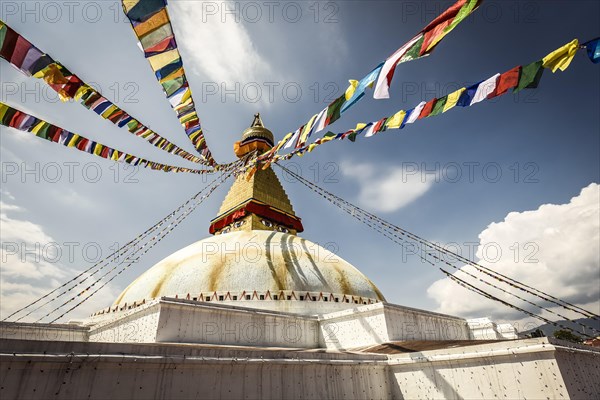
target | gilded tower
[{"x": 258, "y": 202}]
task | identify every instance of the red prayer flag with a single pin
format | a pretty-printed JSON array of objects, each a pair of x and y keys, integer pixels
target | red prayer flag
[
  {"x": 81, "y": 145},
  {"x": 56, "y": 136},
  {"x": 432, "y": 34},
  {"x": 427, "y": 109},
  {"x": 449, "y": 14},
  {"x": 15, "y": 119},
  {"x": 21, "y": 48},
  {"x": 379, "y": 125},
  {"x": 507, "y": 80},
  {"x": 167, "y": 43},
  {"x": 116, "y": 116}
]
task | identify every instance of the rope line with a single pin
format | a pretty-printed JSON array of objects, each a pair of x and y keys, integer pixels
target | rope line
[
  {"x": 384, "y": 228},
  {"x": 150, "y": 244},
  {"x": 116, "y": 255}
]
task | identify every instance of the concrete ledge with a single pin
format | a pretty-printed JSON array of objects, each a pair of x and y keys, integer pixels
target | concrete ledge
[{"x": 36, "y": 331}]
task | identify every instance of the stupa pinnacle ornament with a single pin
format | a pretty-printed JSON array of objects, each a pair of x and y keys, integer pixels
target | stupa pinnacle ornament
[
  {"x": 258, "y": 202},
  {"x": 255, "y": 138}
]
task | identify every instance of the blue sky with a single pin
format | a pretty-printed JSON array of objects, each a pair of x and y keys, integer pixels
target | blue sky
[{"x": 544, "y": 142}]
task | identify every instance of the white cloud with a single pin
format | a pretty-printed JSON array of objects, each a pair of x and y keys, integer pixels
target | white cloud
[
  {"x": 218, "y": 48},
  {"x": 558, "y": 253},
  {"x": 21, "y": 136},
  {"x": 387, "y": 189},
  {"x": 27, "y": 270},
  {"x": 23, "y": 231},
  {"x": 16, "y": 295},
  {"x": 8, "y": 207}
]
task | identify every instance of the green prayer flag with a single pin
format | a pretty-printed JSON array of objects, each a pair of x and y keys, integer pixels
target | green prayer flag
[
  {"x": 3, "y": 30},
  {"x": 463, "y": 13},
  {"x": 8, "y": 116},
  {"x": 43, "y": 131},
  {"x": 173, "y": 85},
  {"x": 438, "y": 108},
  {"x": 333, "y": 111},
  {"x": 413, "y": 52},
  {"x": 132, "y": 125},
  {"x": 530, "y": 76},
  {"x": 156, "y": 36}
]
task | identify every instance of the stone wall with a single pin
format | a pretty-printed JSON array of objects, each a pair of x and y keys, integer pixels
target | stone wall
[{"x": 531, "y": 368}]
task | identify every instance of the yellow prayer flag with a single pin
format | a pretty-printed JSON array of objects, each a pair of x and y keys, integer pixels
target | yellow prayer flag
[
  {"x": 37, "y": 127},
  {"x": 98, "y": 149},
  {"x": 85, "y": 88},
  {"x": 160, "y": 60},
  {"x": 453, "y": 99},
  {"x": 115, "y": 156},
  {"x": 396, "y": 120},
  {"x": 175, "y": 74},
  {"x": 351, "y": 89},
  {"x": 436, "y": 40},
  {"x": 186, "y": 102},
  {"x": 129, "y": 4},
  {"x": 194, "y": 135},
  {"x": 73, "y": 141},
  {"x": 112, "y": 108},
  {"x": 154, "y": 22},
  {"x": 307, "y": 129},
  {"x": 51, "y": 74},
  {"x": 187, "y": 118},
  {"x": 186, "y": 96},
  {"x": 283, "y": 141},
  {"x": 561, "y": 58},
  {"x": 327, "y": 138}
]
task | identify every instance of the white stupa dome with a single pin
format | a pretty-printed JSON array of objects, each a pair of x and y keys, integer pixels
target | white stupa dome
[{"x": 257, "y": 269}]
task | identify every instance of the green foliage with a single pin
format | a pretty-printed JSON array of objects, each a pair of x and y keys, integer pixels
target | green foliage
[{"x": 563, "y": 334}]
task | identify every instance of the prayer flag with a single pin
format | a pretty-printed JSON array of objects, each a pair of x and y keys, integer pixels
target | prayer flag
[
  {"x": 561, "y": 58},
  {"x": 507, "y": 80},
  {"x": 530, "y": 76},
  {"x": 593, "y": 50},
  {"x": 484, "y": 89}
]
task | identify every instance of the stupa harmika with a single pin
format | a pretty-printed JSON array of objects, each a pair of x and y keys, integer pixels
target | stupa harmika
[{"x": 255, "y": 311}]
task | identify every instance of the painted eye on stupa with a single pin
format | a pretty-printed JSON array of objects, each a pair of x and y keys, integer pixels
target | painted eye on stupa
[
  {"x": 266, "y": 223},
  {"x": 226, "y": 230},
  {"x": 282, "y": 229},
  {"x": 237, "y": 224}
]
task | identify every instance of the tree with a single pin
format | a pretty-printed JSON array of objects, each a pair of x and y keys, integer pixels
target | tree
[
  {"x": 564, "y": 334},
  {"x": 537, "y": 333}
]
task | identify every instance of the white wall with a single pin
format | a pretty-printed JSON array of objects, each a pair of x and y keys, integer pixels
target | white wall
[
  {"x": 529, "y": 368},
  {"x": 55, "y": 332},
  {"x": 185, "y": 321},
  {"x": 120, "y": 371},
  {"x": 373, "y": 324},
  {"x": 188, "y": 321},
  {"x": 137, "y": 326},
  {"x": 200, "y": 323}
]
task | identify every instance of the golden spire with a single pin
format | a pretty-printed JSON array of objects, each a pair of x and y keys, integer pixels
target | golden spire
[{"x": 258, "y": 202}]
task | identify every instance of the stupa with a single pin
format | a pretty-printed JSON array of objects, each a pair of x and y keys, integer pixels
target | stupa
[
  {"x": 255, "y": 258},
  {"x": 255, "y": 311}
]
